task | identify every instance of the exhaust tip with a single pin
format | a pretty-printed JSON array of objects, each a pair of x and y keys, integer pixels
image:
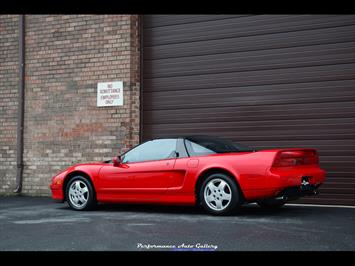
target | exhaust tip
[{"x": 281, "y": 198}]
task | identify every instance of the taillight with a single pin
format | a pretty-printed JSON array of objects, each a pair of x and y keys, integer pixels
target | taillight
[{"x": 296, "y": 157}]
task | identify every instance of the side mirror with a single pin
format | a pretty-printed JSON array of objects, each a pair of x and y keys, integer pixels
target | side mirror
[{"x": 117, "y": 160}]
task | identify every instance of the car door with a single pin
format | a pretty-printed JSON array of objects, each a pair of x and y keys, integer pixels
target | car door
[{"x": 145, "y": 171}]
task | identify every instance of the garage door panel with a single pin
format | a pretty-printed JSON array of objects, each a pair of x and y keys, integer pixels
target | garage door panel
[
  {"x": 149, "y": 132},
  {"x": 323, "y": 132},
  {"x": 247, "y": 98},
  {"x": 330, "y": 143},
  {"x": 327, "y": 201},
  {"x": 335, "y": 146},
  {"x": 331, "y": 184},
  {"x": 326, "y": 153},
  {"x": 333, "y": 35},
  {"x": 168, "y": 20},
  {"x": 253, "y": 136},
  {"x": 204, "y": 116},
  {"x": 338, "y": 199},
  {"x": 329, "y": 197},
  {"x": 253, "y": 78},
  {"x": 239, "y": 112},
  {"x": 337, "y": 190},
  {"x": 340, "y": 177},
  {"x": 326, "y": 124},
  {"x": 253, "y": 60},
  {"x": 244, "y": 26},
  {"x": 267, "y": 81},
  {"x": 260, "y": 90},
  {"x": 255, "y": 102}
]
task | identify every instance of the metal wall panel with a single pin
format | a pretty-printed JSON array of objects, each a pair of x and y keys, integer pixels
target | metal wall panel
[{"x": 266, "y": 80}]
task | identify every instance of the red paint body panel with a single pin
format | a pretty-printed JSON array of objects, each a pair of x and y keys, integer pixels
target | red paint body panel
[{"x": 173, "y": 181}]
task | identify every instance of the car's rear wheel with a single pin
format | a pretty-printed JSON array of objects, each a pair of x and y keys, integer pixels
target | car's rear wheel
[
  {"x": 219, "y": 194},
  {"x": 80, "y": 194},
  {"x": 271, "y": 203}
]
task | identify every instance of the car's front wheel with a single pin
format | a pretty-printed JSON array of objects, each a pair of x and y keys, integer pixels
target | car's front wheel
[
  {"x": 219, "y": 194},
  {"x": 80, "y": 194}
]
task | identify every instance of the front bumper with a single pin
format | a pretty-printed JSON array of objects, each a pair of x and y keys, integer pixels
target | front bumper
[{"x": 57, "y": 192}]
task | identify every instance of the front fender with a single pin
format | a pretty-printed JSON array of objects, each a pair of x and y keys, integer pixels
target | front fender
[{"x": 91, "y": 171}]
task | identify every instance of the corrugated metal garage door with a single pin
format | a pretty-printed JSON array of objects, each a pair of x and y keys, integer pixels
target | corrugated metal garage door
[{"x": 267, "y": 81}]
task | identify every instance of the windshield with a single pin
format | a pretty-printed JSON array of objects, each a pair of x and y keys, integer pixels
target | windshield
[{"x": 201, "y": 145}]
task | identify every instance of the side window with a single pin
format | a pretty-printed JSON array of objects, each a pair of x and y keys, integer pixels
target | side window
[
  {"x": 158, "y": 149},
  {"x": 195, "y": 149}
]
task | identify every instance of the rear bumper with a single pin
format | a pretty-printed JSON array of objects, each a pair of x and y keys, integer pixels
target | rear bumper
[
  {"x": 284, "y": 178},
  {"x": 287, "y": 182},
  {"x": 291, "y": 184},
  {"x": 298, "y": 191}
]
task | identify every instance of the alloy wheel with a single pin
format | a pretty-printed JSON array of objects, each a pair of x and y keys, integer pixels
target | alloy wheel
[
  {"x": 78, "y": 194},
  {"x": 217, "y": 194}
]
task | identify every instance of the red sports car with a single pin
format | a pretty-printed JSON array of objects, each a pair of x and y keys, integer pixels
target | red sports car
[{"x": 213, "y": 172}]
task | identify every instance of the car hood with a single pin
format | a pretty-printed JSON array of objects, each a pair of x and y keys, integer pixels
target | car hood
[
  {"x": 81, "y": 166},
  {"x": 93, "y": 163}
]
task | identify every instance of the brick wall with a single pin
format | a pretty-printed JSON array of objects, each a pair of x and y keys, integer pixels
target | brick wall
[
  {"x": 66, "y": 56},
  {"x": 8, "y": 101}
]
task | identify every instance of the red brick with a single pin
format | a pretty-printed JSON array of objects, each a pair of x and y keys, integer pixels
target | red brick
[{"x": 66, "y": 56}]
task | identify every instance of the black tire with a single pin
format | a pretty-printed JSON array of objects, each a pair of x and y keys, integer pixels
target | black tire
[
  {"x": 271, "y": 203},
  {"x": 232, "y": 188},
  {"x": 89, "y": 195}
]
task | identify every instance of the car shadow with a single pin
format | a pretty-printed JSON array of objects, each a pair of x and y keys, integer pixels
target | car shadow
[
  {"x": 247, "y": 210},
  {"x": 143, "y": 208}
]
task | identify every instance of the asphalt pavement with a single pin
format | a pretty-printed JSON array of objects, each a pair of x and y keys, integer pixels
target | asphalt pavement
[{"x": 39, "y": 224}]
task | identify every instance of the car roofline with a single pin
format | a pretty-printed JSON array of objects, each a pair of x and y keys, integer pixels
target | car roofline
[{"x": 182, "y": 137}]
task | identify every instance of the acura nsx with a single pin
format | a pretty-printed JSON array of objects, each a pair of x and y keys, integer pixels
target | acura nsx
[{"x": 212, "y": 172}]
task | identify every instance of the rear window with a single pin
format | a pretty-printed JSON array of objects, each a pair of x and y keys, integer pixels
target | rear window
[{"x": 211, "y": 145}]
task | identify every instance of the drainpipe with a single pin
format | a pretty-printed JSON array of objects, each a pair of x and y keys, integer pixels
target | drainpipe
[
  {"x": 140, "y": 17},
  {"x": 21, "y": 102}
]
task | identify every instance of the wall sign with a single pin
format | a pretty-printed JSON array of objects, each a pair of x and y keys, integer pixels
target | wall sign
[{"x": 110, "y": 93}]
